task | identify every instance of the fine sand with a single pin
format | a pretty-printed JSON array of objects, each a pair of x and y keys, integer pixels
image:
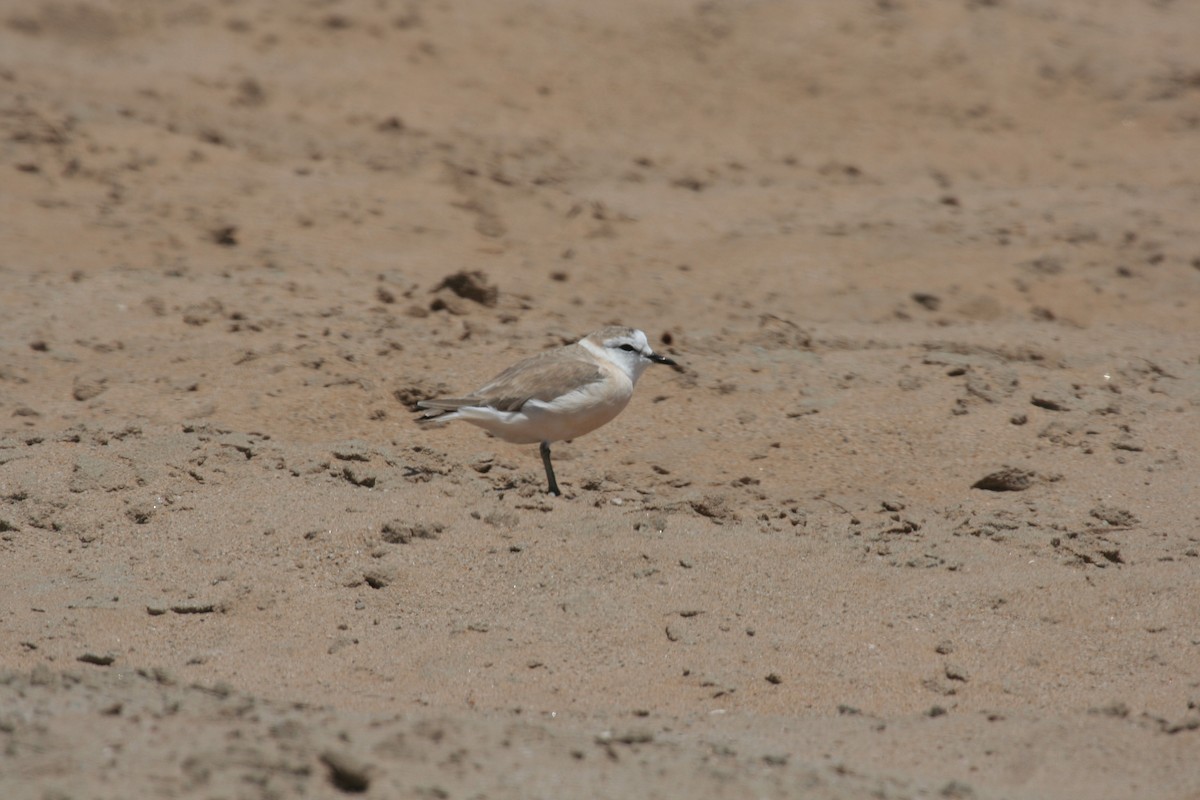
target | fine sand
[{"x": 918, "y": 517}]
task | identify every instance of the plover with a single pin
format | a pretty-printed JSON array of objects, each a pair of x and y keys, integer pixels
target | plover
[{"x": 556, "y": 395}]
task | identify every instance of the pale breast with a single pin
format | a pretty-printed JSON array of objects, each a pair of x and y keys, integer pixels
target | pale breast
[{"x": 567, "y": 416}]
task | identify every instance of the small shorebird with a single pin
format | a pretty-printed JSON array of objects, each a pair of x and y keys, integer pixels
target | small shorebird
[{"x": 559, "y": 394}]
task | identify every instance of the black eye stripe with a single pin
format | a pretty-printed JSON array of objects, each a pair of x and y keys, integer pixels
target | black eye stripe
[{"x": 629, "y": 348}]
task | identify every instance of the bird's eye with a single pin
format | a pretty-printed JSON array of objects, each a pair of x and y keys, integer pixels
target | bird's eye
[{"x": 629, "y": 348}]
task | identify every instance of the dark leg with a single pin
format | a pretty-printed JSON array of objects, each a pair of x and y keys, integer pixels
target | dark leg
[{"x": 549, "y": 469}]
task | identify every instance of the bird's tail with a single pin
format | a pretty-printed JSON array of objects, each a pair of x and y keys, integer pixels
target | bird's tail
[{"x": 441, "y": 410}]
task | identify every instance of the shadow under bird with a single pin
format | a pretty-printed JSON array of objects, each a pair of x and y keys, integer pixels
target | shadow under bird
[{"x": 555, "y": 395}]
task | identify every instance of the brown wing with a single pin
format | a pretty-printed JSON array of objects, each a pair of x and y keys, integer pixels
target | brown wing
[{"x": 542, "y": 377}]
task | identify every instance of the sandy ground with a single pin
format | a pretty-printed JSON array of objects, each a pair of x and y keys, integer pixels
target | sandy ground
[{"x": 918, "y": 518}]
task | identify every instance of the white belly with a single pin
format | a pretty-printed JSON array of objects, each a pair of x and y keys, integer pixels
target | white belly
[{"x": 567, "y": 417}]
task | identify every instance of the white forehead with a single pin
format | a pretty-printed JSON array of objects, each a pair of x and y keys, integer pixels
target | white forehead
[{"x": 631, "y": 336}]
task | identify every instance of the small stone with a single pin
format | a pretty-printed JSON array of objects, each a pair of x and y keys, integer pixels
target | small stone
[
  {"x": 225, "y": 235},
  {"x": 378, "y": 578},
  {"x": 930, "y": 302},
  {"x": 1117, "y": 517},
  {"x": 472, "y": 285},
  {"x": 1051, "y": 401},
  {"x": 87, "y": 388},
  {"x": 98, "y": 660},
  {"x": 194, "y": 608},
  {"x": 346, "y": 773},
  {"x": 1008, "y": 479},
  {"x": 400, "y": 532},
  {"x": 140, "y": 514},
  {"x": 957, "y": 790},
  {"x": 956, "y": 673}
]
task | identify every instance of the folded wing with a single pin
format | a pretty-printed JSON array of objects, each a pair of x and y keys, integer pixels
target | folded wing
[{"x": 544, "y": 377}]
